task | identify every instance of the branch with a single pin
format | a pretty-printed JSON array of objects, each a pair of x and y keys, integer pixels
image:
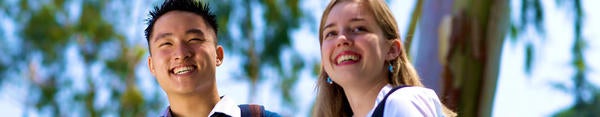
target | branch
[{"x": 416, "y": 15}]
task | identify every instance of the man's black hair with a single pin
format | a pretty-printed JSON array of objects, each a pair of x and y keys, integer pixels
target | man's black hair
[{"x": 194, "y": 6}]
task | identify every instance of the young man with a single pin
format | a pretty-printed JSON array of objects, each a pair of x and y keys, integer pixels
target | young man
[{"x": 182, "y": 40}]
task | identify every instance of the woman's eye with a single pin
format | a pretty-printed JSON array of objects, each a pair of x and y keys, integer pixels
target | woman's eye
[
  {"x": 359, "y": 29},
  {"x": 330, "y": 34}
]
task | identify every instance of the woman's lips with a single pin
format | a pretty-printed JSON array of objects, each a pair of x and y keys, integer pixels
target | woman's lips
[{"x": 347, "y": 57}]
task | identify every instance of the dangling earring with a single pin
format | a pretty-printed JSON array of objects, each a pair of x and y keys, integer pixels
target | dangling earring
[
  {"x": 390, "y": 67},
  {"x": 329, "y": 80}
]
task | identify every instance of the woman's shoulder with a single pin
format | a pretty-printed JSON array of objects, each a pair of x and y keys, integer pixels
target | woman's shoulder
[
  {"x": 414, "y": 100},
  {"x": 414, "y": 91}
]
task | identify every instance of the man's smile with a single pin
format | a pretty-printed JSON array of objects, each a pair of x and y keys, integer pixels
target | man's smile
[{"x": 183, "y": 69}]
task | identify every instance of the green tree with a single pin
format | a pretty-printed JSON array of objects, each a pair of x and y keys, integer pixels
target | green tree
[
  {"x": 264, "y": 39},
  {"x": 459, "y": 50},
  {"x": 468, "y": 47},
  {"x": 49, "y": 29},
  {"x": 46, "y": 31},
  {"x": 586, "y": 94}
]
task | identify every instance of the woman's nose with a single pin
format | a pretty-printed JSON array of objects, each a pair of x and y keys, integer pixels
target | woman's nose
[{"x": 342, "y": 40}]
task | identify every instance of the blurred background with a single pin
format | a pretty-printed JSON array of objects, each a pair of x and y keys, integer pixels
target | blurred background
[{"x": 483, "y": 57}]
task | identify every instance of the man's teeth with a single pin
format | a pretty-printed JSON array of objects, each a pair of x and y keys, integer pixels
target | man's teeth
[
  {"x": 346, "y": 58},
  {"x": 183, "y": 70}
]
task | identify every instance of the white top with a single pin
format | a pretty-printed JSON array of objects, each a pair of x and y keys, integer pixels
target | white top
[
  {"x": 226, "y": 106},
  {"x": 409, "y": 102}
]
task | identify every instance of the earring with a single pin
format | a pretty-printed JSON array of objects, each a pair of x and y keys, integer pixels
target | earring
[
  {"x": 329, "y": 80},
  {"x": 391, "y": 68}
]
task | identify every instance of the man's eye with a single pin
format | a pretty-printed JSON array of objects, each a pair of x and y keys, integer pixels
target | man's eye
[
  {"x": 196, "y": 40},
  {"x": 165, "y": 44}
]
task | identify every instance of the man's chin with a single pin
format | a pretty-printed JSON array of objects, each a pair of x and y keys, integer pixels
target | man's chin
[{"x": 192, "y": 88}]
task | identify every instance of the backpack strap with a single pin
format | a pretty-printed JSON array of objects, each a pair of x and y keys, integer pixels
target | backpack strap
[
  {"x": 381, "y": 106},
  {"x": 252, "y": 110}
]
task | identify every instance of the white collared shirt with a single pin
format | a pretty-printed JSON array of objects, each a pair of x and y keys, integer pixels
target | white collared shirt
[
  {"x": 226, "y": 106},
  {"x": 409, "y": 102}
]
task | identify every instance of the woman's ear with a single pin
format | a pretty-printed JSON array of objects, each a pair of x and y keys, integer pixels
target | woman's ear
[{"x": 394, "y": 50}]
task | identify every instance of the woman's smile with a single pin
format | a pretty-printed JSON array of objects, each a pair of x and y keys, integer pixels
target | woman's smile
[{"x": 347, "y": 58}]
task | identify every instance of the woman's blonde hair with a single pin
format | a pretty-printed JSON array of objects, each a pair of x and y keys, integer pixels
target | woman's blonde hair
[{"x": 331, "y": 99}]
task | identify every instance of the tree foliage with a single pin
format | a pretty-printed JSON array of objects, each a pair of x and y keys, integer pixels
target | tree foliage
[
  {"x": 586, "y": 94},
  {"x": 260, "y": 31},
  {"x": 47, "y": 31}
]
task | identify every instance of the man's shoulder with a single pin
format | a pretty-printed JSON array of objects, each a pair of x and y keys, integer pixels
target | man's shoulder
[
  {"x": 255, "y": 110},
  {"x": 166, "y": 112}
]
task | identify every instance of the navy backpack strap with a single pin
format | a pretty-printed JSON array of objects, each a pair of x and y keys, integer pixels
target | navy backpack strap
[
  {"x": 219, "y": 114},
  {"x": 381, "y": 106},
  {"x": 252, "y": 110}
]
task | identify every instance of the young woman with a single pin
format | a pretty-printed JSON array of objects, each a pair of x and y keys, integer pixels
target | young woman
[{"x": 364, "y": 66}]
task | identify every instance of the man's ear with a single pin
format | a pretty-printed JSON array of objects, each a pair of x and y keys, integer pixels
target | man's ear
[
  {"x": 219, "y": 55},
  {"x": 151, "y": 66},
  {"x": 394, "y": 50}
]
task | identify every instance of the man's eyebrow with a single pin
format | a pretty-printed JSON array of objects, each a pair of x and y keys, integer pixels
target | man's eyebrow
[
  {"x": 190, "y": 31},
  {"x": 195, "y": 31},
  {"x": 162, "y": 35}
]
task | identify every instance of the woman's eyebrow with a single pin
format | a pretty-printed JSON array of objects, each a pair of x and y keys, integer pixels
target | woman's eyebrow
[
  {"x": 357, "y": 19},
  {"x": 328, "y": 26}
]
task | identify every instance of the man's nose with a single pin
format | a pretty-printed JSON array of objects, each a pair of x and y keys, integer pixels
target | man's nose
[{"x": 182, "y": 51}]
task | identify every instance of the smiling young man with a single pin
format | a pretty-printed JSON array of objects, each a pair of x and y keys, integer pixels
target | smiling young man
[{"x": 184, "y": 55}]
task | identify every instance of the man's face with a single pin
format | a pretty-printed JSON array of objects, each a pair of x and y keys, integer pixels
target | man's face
[{"x": 184, "y": 53}]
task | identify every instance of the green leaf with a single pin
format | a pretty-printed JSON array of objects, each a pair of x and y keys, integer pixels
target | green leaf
[
  {"x": 538, "y": 16},
  {"x": 514, "y": 32},
  {"x": 529, "y": 56}
]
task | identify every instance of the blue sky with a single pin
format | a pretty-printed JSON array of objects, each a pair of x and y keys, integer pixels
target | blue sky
[{"x": 518, "y": 93}]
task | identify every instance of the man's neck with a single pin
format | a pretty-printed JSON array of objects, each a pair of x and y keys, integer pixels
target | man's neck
[{"x": 199, "y": 105}]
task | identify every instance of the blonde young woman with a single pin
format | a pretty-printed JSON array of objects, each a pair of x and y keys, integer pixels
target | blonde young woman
[{"x": 363, "y": 61}]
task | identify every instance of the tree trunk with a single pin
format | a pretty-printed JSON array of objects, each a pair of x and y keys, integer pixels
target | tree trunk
[
  {"x": 464, "y": 54},
  {"x": 427, "y": 58}
]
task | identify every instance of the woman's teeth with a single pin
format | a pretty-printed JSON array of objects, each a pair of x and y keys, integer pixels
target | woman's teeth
[{"x": 346, "y": 58}]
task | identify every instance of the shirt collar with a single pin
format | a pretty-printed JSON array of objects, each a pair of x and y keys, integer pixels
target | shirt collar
[
  {"x": 380, "y": 96},
  {"x": 384, "y": 91},
  {"x": 225, "y": 106}
]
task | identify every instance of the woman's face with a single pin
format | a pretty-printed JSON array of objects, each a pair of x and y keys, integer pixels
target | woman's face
[{"x": 354, "y": 48}]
